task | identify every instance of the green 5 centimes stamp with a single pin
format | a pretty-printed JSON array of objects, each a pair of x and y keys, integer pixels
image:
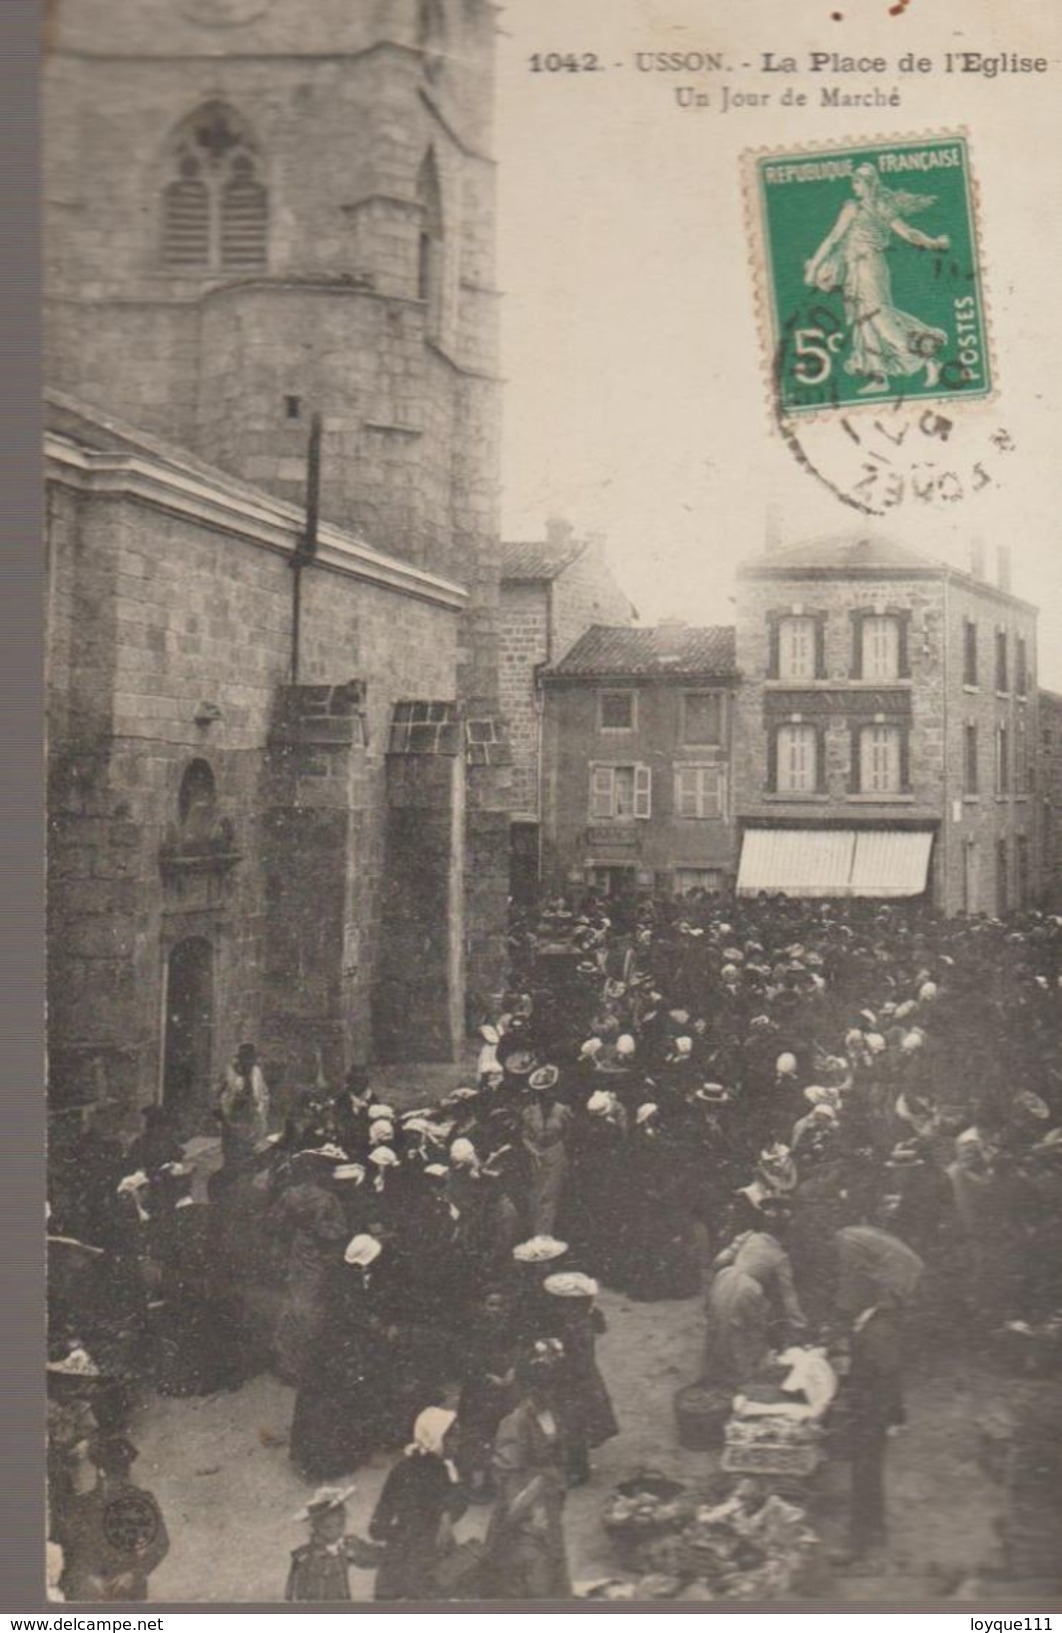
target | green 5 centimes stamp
[{"x": 871, "y": 278}]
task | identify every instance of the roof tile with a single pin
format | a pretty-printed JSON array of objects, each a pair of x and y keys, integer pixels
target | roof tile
[{"x": 669, "y": 649}]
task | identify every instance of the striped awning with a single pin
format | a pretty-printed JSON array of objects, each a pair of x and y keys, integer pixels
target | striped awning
[{"x": 834, "y": 862}]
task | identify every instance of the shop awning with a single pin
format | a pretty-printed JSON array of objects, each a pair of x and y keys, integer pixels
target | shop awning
[
  {"x": 890, "y": 864},
  {"x": 833, "y": 862}
]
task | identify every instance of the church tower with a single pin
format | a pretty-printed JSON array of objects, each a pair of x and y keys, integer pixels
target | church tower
[{"x": 260, "y": 214}]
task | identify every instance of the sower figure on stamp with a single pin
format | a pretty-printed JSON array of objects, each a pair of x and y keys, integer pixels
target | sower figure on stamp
[{"x": 885, "y": 341}]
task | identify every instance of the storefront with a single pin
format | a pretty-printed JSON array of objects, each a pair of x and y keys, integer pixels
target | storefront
[{"x": 841, "y": 862}]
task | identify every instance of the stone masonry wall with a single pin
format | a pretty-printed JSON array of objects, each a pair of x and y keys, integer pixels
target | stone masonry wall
[
  {"x": 586, "y": 593},
  {"x": 524, "y": 633},
  {"x": 166, "y": 614},
  {"x": 836, "y": 598},
  {"x": 940, "y": 708}
]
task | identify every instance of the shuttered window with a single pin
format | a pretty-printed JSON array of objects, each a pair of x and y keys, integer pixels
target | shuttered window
[
  {"x": 879, "y": 760},
  {"x": 698, "y": 791},
  {"x": 881, "y": 649},
  {"x": 797, "y": 760},
  {"x": 796, "y": 649},
  {"x": 620, "y": 792}
]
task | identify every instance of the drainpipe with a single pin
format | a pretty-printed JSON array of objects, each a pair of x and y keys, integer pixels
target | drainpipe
[{"x": 306, "y": 549}]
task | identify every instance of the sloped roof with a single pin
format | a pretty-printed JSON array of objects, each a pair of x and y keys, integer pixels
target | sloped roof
[
  {"x": 538, "y": 560},
  {"x": 866, "y": 555},
  {"x": 846, "y": 553},
  {"x": 619, "y": 651}
]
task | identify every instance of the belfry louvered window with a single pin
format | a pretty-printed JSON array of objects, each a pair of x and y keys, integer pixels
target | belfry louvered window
[{"x": 215, "y": 211}]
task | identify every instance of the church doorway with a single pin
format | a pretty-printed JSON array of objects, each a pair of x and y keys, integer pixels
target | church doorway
[{"x": 189, "y": 1030}]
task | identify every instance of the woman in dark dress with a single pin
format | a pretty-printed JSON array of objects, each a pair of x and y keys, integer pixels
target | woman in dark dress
[
  {"x": 310, "y": 1221},
  {"x": 488, "y": 1386},
  {"x": 420, "y": 1501},
  {"x": 596, "y": 1215},
  {"x": 660, "y": 1259},
  {"x": 582, "y": 1397},
  {"x": 344, "y": 1405},
  {"x": 526, "y": 1556}
]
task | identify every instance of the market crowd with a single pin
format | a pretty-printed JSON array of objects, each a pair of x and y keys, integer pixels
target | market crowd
[{"x": 836, "y": 1118}]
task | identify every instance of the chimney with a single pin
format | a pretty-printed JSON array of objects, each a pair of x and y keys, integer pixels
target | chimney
[
  {"x": 1003, "y": 566},
  {"x": 977, "y": 558},
  {"x": 668, "y": 639},
  {"x": 558, "y": 530}
]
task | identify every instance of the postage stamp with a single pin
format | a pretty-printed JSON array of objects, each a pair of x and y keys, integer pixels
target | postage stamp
[{"x": 871, "y": 286}]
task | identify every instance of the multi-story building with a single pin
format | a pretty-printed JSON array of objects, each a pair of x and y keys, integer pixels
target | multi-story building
[
  {"x": 887, "y": 729},
  {"x": 1049, "y": 789},
  {"x": 552, "y": 590},
  {"x": 278, "y": 779},
  {"x": 638, "y": 728}
]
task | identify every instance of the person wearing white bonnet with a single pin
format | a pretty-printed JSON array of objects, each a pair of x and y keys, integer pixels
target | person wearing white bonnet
[
  {"x": 384, "y": 1161},
  {"x": 786, "y": 1065},
  {"x": 646, "y": 1113},
  {"x": 825, "y": 1107},
  {"x": 420, "y": 1501},
  {"x": 381, "y": 1131},
  {"x": 463, "y": 1154},
  {"x": 609, "y": 1108},
  {"x": 362, "y": 1250},
  {"x": 581, "y": 1392},
  {"x": 625, "y": 1046},
  {"x": 539, "y": 1250},
  {"x": 133, "y": 1188},
  {"x": 874, "y": 1042},
  {"x": 571, "y": 1284}
]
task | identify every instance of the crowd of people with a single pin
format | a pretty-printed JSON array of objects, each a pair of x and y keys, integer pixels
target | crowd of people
[{"x": 848, "y": 1111}]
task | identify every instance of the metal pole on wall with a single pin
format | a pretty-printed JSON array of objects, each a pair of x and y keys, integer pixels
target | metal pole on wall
[{"x": 306, "y": 548}]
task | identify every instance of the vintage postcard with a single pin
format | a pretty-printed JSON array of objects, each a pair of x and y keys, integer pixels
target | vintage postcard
[{"x": 554, "y": 741}]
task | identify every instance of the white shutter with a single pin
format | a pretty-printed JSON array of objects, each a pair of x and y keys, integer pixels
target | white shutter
[
  {"x": 881, "y": 649},
  {"x": 879, "y": 769},
  {"x": 643, "y": 797},
  {"x": 797, "y": 648},
  {"x": 686, "y": 801},
  {"x": 601, "y": 793},
  {"x": 711, "y": 791}
]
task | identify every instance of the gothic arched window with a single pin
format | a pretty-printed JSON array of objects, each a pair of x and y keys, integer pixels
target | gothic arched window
[
  {"x": 430, "y": 249},
  {"x": 215, "y": 211}
]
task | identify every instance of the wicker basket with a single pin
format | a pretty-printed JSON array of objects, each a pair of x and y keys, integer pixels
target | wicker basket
[
  {"x": 764, "y": 1457},
  {"x": 700, "y": 1415}
]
